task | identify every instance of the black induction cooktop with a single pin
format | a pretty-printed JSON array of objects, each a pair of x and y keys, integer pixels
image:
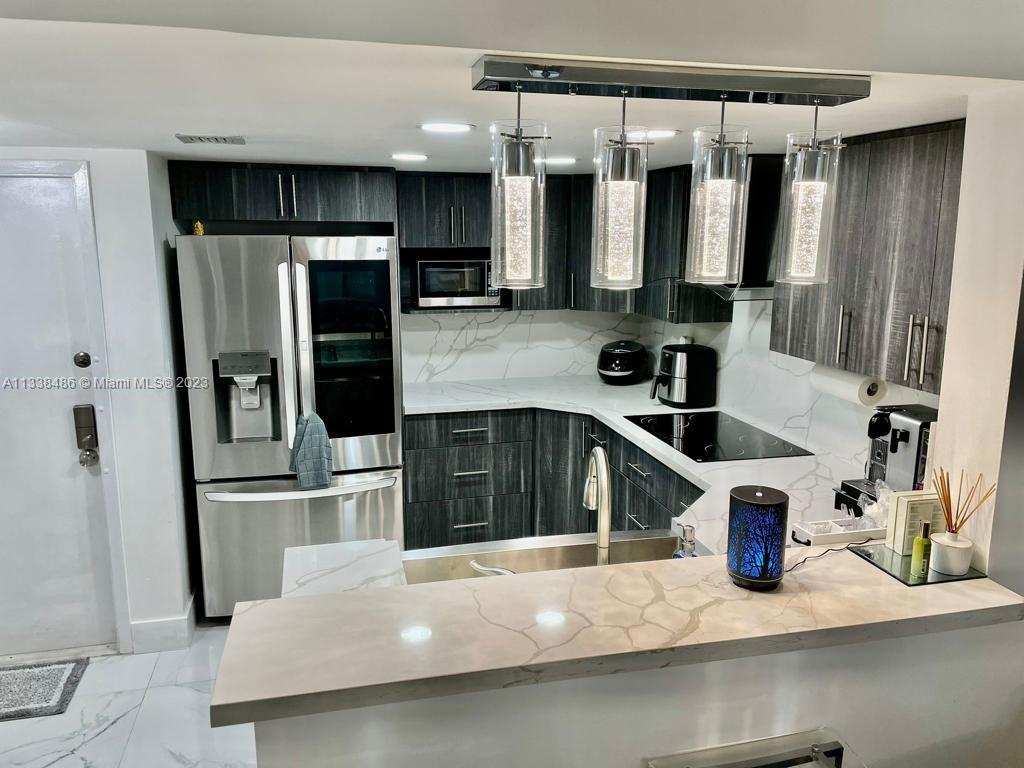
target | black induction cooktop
[{"x": 715, "y": 436}]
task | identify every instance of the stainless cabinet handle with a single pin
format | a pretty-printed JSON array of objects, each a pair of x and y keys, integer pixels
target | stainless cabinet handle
[
  {"x": 839, "y": 333},
  {"x": 924, "y": 350},
  {"x": 451, "y": 223},
  {"x": 910, "y": 340},
  {"x": 671, "y": 293},
  {"x": 460, "y": 526},
  {"x": 469, "y": 429},
  {"x": 635, "y": 468},
  {"x": 572, "y": 290},
  {"x": 295, "y": 199},
  {"x": 684, "y": 505},
  {"x": 597, "y": 439},
  {"x": 636, "y": 522},
  {"x": 280, "y": 195},
  {"x": 462, "y": 218},
  {"x": 472, "y": 473}
]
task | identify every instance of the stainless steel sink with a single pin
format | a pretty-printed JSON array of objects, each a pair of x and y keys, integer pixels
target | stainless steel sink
[{"x": 538, "y": 553}]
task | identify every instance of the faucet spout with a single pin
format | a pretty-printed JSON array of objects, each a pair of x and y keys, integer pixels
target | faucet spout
[{"x": 597, "y": 498}]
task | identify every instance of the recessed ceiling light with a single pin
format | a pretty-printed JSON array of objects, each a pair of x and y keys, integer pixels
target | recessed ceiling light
[
  {"x": 652, "y": 135},
  {"x": 560, "y": 161},
  {"x": 447, "y": 127},
  {"x": 408, "y": 157}
]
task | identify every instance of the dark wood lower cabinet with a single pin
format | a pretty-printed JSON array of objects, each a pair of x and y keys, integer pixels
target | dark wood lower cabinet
[
  {"x": 633, "y": 509},
  {"x": 435, "y": 474},
  {"x": 559, "y": 469},
  {"x": 467, "y": 521},
  {"x": 458, "y": 494}
]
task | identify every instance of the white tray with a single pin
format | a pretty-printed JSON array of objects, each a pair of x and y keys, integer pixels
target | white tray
[{"x": 839, "y": 531}]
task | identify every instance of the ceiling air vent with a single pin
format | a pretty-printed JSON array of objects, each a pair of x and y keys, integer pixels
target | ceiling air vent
[{"x": 189, "y": 139}]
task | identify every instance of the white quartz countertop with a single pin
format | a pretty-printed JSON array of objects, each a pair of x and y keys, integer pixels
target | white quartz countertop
[
  {"x": 304, "y": 655},
  {"x": 809, "y": 480}
]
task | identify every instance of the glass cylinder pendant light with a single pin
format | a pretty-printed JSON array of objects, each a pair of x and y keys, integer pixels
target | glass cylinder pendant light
[
  {"x": 718, "y": 217},
  {"x": 517, "y": 201},
  {"x": 808, "y": 205},
  {"x": 620, "y": 189}
]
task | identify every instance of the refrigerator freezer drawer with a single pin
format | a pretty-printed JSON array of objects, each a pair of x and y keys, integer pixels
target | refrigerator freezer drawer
[{"x": 245, "y": 527}]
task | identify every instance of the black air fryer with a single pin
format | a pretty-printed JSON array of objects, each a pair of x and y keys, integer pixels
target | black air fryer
[
  {"x": 687, "y": 376},
  {"x": 623, "y": 362}
]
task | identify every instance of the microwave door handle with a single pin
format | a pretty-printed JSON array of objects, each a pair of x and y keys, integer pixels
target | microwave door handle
[
  {"x": 284, "y": 300},
  {"x": 305, "y": 344},
  {"x": 316, "y": 493}
]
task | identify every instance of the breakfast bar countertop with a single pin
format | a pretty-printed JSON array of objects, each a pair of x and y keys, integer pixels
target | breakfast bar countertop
[{"x": 304, "y": 655}]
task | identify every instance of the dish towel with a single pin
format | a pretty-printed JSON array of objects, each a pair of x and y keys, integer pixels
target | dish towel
[{"x": 312, "y": 459}]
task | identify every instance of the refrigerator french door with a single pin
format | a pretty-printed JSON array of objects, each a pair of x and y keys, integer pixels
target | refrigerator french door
[{"x": 278, "y": 327}]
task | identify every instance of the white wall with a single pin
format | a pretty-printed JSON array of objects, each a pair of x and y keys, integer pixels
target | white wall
[
  {"x": 987, "y": 266},
  {"x": 132, "y": 210},
  {"x": 944, "y": 700}
]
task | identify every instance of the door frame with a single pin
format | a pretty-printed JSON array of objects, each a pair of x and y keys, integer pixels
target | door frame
[{"x": 78, "y": 172}]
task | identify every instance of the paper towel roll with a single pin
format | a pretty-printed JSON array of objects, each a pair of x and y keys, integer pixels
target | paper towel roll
[{"x": 848, "y": 386}]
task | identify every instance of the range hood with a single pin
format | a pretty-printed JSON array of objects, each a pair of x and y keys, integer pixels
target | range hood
[{"x": 657, "y": 81}]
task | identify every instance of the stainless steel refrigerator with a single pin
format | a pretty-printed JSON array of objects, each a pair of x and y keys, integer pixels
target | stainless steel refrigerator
[{"x": 274, "y": 327}]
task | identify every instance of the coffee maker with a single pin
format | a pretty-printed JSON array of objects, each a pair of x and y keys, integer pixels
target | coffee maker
[{"x": 898, "y": 454}]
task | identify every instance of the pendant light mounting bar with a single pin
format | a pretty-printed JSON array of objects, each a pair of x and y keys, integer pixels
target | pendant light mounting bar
[{"x": 658, "y": 81}]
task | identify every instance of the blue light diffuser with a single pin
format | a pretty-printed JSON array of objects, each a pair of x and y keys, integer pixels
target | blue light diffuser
[{"x": 758, "y": 520}]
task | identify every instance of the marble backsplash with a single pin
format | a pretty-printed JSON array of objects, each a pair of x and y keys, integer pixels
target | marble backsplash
[
  {"x": 508, "y": 345},
  {"x": 771, "y": 389}
]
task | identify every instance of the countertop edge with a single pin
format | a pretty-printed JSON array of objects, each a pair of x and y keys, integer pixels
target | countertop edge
[{"x": 236, "y": 713}]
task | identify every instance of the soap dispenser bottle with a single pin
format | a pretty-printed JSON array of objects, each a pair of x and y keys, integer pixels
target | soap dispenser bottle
[
  {"x": 687, "y": 544},
  {"x": 922, "y": 552}
]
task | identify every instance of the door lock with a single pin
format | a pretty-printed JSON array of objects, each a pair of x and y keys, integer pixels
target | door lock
[
  {"x": 82, "y": 359},
  {"x": 85, "y": 427}
]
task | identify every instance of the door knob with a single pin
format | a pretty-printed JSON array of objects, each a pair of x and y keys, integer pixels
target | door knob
[
  {"x": 82, "y": 359},
  {"x": 88, "y": 457}
]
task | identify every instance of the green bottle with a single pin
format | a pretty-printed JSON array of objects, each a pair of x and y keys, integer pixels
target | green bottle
[{"x": 922, "y": 551}]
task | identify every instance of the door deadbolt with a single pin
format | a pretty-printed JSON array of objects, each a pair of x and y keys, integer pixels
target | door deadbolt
[
  {"x": 85, "y": 427},
  {"x": 82, "y": 359}
]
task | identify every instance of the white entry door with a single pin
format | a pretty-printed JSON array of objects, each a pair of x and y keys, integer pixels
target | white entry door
[{"x": 55, "y": 566}]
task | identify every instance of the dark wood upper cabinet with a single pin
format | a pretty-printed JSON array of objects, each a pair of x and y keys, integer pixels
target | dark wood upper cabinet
[
  {"x": 263, "y": 192},
  {"x": 554, "y": 294},
  {"x": 891, "y": 261},
  {"x": 663, "y": 296},
  {"x": 348, "y": 194},
  {"x": 444, "y": 210},
  {"x": 581, "y": 295}
]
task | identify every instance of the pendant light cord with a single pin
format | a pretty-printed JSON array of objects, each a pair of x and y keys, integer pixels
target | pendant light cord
[
  {"x": 721, "y": 123},
  {"x": 814, "y": 132},
  {"x": 519, "y": 111},
  {"x": 622, "y": 136}
]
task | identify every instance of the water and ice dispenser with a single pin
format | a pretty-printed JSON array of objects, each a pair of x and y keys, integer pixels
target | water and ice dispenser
[{"x": 245, "y": 385}]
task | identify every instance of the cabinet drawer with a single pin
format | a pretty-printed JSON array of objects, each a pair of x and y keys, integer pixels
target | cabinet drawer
[
  {"x": 434, "y": 474},
  {"x": 670, "y": 489},
  {"x": 438, "y": 430},
  {"x": 466, "y": 521},
  {"x": 635, "y": 510}
]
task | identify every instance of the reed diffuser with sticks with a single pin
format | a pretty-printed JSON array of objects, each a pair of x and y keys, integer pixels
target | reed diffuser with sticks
[{"x": 951, "y": 553}]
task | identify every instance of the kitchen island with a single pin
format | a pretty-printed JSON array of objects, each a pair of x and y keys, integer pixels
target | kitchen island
[{"x": 445, "y": 673}]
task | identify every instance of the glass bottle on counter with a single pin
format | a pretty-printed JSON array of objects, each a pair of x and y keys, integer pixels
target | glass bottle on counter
[{"x": 687, "y": 544}]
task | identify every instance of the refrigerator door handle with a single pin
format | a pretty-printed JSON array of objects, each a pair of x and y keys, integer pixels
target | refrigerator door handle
[
  {"x": 305, "y": 350},
  {"x": 318, "y": 493},
  {"x": 284, "y": 298}
]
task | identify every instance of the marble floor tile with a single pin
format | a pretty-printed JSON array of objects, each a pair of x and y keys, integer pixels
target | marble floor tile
[
  {"x": 111, "y": 674},
  {"x": 92, "y": 732},
  {"x": 173, "y": 730},
  {"x": 196, "y": 663}
]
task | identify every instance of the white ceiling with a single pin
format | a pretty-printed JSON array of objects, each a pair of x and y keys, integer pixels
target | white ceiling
[
  {"x": 977, "y": 38},
  {"x": 332, "y": 101}
]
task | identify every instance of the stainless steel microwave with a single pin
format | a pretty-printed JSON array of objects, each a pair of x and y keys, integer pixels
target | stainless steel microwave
[{"x": 455, "y": 284}]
